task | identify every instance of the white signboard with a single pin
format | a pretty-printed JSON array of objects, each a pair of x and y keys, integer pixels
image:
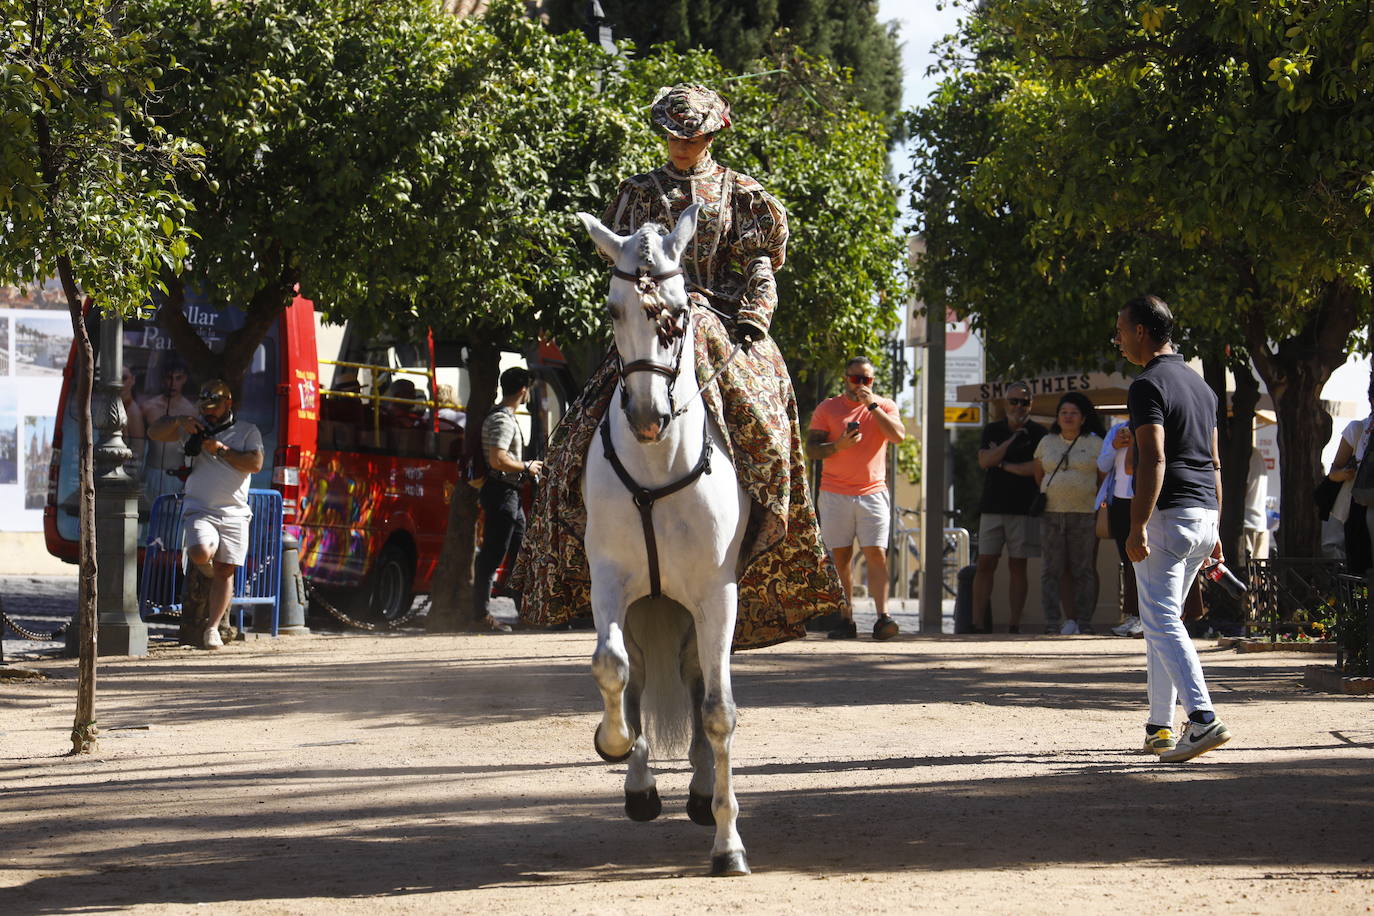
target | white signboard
[{"x": 963, "y": 366}]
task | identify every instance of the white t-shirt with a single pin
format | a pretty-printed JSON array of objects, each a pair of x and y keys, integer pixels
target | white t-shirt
[
  {"x": 1257, "y": 493},
  {"x": 1112, "y": 459},
  {"x": 214, "y": 486},
  {"x": 1353, "y": 433}
]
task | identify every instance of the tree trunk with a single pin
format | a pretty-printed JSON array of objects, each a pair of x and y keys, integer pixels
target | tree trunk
[
  {"x": 1235, "y": 439},
  {"x": 84, "y": 730},
  {"x": 1295, "y": 371},
  {"x": 451, "y": 606}
]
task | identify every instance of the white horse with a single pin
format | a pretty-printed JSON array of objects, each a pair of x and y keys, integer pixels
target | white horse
[{"x": 665, "y": 520}]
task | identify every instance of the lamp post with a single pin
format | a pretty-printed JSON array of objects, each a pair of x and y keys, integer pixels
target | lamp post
[{"x": 120, "y": 631}]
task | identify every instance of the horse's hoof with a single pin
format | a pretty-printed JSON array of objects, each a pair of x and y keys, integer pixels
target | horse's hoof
[
  {"x": 643, "y": 806},
  {"x": 728, "y": 864},
  {"x": 596, "y": 743},
  {"x": 699, "y": 809}
]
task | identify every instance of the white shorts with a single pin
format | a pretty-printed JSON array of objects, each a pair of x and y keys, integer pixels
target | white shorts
[
  {"x": 225, "y": 535},
  {"x": 844, "y": 518}
]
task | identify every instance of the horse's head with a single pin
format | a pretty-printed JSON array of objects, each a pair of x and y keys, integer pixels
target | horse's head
[{"x": 648, "y": 308}]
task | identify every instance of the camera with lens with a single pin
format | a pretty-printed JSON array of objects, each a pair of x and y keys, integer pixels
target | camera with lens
[{"x": 194, "y": 443}]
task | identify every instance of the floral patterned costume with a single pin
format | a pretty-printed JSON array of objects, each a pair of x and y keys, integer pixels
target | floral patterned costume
[{"x": 740, "y": 241}]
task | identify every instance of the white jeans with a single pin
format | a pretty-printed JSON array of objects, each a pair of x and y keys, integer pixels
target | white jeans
[{"x": 1179, "y": 540}]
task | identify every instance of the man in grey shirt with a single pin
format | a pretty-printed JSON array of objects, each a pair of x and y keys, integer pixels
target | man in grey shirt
[
  {"x": 224, "y": 453},
  {"x": 503, "y": 526}
]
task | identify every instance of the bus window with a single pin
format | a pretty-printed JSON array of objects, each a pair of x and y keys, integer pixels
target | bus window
[{"x": 383, "y": 399}]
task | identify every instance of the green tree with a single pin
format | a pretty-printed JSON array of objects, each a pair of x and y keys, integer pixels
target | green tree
[
  {"x": 407, "y": 170},
  {"x": 1214, "y": 152},
  {"x": 89, "y": 194},
  {"x": 846, "y": 32}
]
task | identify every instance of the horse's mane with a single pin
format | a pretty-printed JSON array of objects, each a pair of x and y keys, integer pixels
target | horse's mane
[{"x": 646, "y": 235}]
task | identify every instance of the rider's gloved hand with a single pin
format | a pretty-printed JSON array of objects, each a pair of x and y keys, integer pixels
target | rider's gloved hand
[{"x": 746, "y": 333}]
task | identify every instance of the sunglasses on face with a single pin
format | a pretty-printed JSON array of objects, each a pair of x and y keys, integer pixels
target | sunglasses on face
[
  {"x": 1019, "y": 402},
  {"x": 861, "y": 379}
]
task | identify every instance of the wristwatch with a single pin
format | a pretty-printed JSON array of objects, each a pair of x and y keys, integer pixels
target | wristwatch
[{"x": 872, "y": 405}]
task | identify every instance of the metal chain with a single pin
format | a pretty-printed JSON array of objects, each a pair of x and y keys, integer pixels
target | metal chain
[
  {"x": 27, "y": 634},
  {"x": 313, "y": 594}
]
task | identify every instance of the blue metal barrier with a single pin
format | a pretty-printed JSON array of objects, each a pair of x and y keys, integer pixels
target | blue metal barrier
[
  {"x": 257, "y": 582},
  {"x": 159, "y": 586}
]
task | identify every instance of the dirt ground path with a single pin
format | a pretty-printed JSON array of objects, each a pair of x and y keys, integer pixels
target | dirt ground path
[{"x": 456, "y": 774}]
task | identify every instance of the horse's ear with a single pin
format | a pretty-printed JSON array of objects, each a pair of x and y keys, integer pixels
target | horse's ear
[
  {"x": 606, "y": 240},
  {"x": 675, "y": 243}
]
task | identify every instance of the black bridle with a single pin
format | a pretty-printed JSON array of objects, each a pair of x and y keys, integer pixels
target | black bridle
[{"x": 670, "y": 328}]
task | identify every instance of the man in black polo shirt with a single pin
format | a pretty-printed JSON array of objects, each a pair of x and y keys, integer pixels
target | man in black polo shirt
[
  {"x": 1173, "y": 521},
  {"x": 1008, "y": 455}
]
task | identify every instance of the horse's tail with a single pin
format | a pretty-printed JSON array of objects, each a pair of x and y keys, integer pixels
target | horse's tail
[{"x": 662, "y": 628}]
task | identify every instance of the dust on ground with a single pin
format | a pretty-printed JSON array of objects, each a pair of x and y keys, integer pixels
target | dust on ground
[{"x": 414, "y": 773}]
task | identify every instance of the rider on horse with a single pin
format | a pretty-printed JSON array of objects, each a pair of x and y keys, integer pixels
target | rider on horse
[{"x": 741, "y": 238}]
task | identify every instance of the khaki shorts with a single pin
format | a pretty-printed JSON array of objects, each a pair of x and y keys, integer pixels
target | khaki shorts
[
  {"x": 845, "y": 518},
  {"x": 225, "y": 535},
  {"x": 1016, "y": 535}
]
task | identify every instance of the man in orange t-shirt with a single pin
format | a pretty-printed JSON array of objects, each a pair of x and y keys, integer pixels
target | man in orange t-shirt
[{"x": 849, "y": 434}]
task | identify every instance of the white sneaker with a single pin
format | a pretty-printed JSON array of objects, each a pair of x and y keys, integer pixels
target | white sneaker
[
  {"x": 1069, "y": 628},
  {"x": 212, "y": 640},
  {"x": 1197, "y": 739},
  {"x": 1131, "y": 626}
]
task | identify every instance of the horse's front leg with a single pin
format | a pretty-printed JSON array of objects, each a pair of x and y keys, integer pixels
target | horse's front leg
[
  {"x": 614, "y": 740},
  {"x": 702, "y": 787},
  {"x": 715, "y": 626},
  {"x": 641, "y": 791}
]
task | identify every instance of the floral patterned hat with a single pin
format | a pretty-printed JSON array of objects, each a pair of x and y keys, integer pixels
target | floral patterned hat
[{"x": 687, "y": 111}]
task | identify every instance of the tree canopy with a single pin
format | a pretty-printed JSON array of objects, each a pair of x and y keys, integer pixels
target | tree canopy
[
  {"x": 86, "y": 176},
  {"x": 407, "y": 169},
  {"x": 845, "y": 32},
  {"x": 1212, "y": 152}
]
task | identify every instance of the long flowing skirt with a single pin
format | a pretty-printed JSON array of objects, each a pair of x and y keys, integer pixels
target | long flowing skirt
[{"x": 786, "y": 578}]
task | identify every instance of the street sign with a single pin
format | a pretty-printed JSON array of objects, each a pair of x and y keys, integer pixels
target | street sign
[{"x": 964, "y": 415}]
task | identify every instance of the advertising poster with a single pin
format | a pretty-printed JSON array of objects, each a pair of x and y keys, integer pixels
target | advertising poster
[
  {"x": 9, "y": 439},
  {"x": 35, "y": 341},
  {"x": 37, "y": 454}
]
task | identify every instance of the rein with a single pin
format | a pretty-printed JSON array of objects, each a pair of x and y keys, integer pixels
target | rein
[{"x": 644, "y": 498}]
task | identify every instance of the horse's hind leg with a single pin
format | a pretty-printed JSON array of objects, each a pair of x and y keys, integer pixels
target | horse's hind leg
[
  {"x": 702, "y": 787},
  {"x": 641, "y": 793},
  {"x": 715, "y": 625},
  {"x": 614, "y": 741}
]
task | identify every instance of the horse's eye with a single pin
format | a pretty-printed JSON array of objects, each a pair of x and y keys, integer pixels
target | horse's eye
[{"x": 613, "y": 310}]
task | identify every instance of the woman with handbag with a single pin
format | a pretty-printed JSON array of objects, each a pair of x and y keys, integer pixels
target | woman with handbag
[{"x": 1066, "y": 469}]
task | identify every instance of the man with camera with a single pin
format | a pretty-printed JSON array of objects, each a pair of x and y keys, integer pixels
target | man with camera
[
  {"x": 1007, "y": 453},
  {"x": 223, "y": 453},
  {"x": 849, "y": 435}
]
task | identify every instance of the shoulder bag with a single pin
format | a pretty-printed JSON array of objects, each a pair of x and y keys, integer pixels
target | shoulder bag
[
  {"x": 1037, "y": 506},
  {"x": 1362, "y": 492}
]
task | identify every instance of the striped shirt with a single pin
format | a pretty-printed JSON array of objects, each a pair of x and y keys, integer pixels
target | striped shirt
[{"x": 500, "y": 430}]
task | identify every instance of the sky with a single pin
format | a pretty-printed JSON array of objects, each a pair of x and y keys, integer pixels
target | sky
[{"x": 922, "y": 24}]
